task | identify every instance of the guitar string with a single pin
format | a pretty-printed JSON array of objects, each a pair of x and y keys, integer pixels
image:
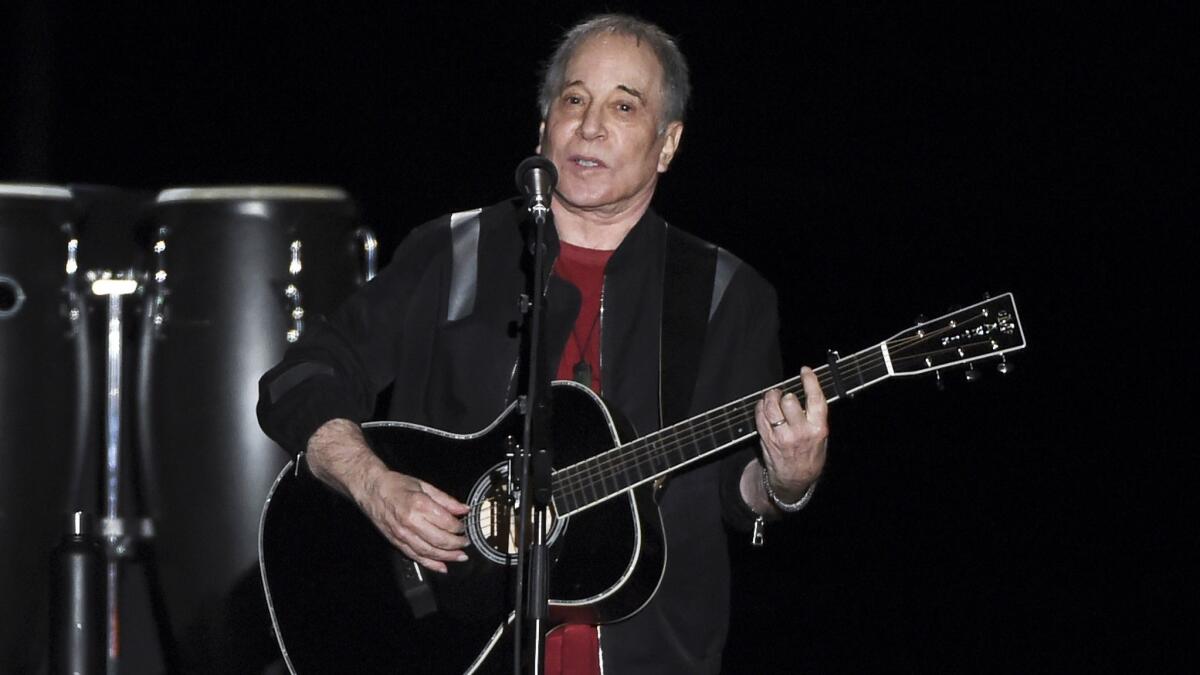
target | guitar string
[
  {"x": 594, "y": 473},
  {"x": 563, "y": 488},
  {"x": 571, "y": 485},
  {"x": 593, "y": 476},
  {"x": 693, "y": 434},
  {"x": 653, "y": 449},
  {"x": 609, "y": 465},
  {"x": 571, "y": 482},
  {"x": 649, "y": 450},
  {"x": 675, "y": 438},
  {"x": 681, "y": 438}
]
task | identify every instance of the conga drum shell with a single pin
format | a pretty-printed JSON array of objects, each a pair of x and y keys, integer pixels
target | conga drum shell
[
  {"x": 40, "y": 416},
  {"x": 229, "y": 268}
]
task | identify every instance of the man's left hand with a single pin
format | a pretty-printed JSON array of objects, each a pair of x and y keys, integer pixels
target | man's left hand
[{"x": 793, "y": 436}]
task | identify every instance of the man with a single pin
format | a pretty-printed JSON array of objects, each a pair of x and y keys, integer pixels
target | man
[{"x": 612, "y": 104}]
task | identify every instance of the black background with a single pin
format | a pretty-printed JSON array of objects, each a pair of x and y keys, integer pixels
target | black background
[{"x": 876, "y": 161}]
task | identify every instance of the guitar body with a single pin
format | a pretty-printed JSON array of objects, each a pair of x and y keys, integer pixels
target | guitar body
[{"x": 342, "y": 599}]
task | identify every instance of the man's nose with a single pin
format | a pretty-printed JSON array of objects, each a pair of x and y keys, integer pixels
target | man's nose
[{"x": 592, "y": 124}]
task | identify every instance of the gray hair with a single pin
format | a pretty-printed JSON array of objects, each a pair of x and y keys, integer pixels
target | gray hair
[{"x": 676, "y": 88}]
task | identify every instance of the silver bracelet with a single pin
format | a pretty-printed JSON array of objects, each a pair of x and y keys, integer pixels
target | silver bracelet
[{"x": 779, "y": 503}]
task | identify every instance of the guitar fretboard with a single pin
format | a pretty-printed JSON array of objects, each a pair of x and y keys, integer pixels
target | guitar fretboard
[{"x": 598, "y": 478}]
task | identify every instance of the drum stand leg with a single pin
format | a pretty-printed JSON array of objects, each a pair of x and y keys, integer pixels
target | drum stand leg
[{"x": 123, "y": 538}]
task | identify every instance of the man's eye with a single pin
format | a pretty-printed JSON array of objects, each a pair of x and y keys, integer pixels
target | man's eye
[
  {"x": 625, "y": 107},
  {"x": 573, "y": 100}
]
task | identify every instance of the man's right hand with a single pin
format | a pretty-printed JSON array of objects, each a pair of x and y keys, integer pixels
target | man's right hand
[{"x": 419, "y": 519}]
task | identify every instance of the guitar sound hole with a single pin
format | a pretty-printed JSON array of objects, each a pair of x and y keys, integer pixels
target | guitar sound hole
[{"x": 492, "y": 525}]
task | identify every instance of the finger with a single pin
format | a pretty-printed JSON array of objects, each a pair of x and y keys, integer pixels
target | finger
[
  {"x": 411, "y": 552},
  {"x": 766, "y": 435},
  {"x": 429, "y": 509},
  {"x": 423, "y": 561},
  {"x": 444, "y": 499},
  {"x": 771, "y": 404},
  {"x": 425, "y": 548},
  {"x": 447, "y": 540},
  {"x": 793, "y": 410},
  {"x": 407, "y": 526},
  {"x": 773, "y": 409},
  {"x": 428, "y": 522},
  {"x": 817, "y": 407}
]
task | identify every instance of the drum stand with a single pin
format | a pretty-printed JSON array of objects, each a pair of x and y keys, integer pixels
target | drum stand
[{"x": 123, "y": 538}]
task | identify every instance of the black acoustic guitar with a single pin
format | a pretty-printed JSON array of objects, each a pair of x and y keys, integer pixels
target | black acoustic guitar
[{"x": 344, "y": 600}]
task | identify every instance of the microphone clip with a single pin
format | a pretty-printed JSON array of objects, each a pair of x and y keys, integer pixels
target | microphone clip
[{"x": 536, "y": 177}]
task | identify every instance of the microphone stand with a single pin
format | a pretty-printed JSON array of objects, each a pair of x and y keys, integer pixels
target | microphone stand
[{"x": 534, "y": 462}]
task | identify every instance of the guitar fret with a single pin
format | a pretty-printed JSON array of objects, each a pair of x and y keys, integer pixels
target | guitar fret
[
  {"x": 723, "y": 435},
  {"x": 656, "y": 461},
  {"x": 589, "y": 490},
  {"x": 563, "y": 500},
  {"x": 640, "y": 468},
  {"x": 678, "y": 449},
  {"x": 657, "y": 449},
  {"x": 637, "y": 466},
  {"x": 858, "y": 370}
]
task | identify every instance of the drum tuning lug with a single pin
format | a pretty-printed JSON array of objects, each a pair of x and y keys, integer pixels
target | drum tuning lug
[
  {"x": 523, "y": 303},
  {"x": 1004, "y": 367},
  {"x": 370, "y": 248},
  {"x": 937, "y": 375},
  {"x": 972, "y": 375}
]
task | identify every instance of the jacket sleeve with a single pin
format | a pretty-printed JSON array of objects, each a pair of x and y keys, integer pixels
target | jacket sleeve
[
  {"x": 339, "y": 366},
  {"x": 742, "y": 356}
]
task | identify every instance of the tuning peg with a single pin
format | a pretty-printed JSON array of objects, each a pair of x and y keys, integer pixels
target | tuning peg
[
  {"x": 971, "y": 374},
  {"x": 937, "y": 378},
  {"x": 1004, "y": 367}
]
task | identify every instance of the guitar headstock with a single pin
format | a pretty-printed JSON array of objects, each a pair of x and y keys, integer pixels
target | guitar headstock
[{"x": 985, "y": 330}]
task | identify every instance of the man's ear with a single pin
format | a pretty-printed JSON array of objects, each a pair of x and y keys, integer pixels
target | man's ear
[{"x": 672, "y": 137}]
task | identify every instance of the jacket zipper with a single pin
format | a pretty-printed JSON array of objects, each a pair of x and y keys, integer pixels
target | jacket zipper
[{"x": 603, "y": 284}]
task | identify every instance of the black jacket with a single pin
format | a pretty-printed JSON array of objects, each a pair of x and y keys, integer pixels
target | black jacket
[{"x": 452, "y": 355}]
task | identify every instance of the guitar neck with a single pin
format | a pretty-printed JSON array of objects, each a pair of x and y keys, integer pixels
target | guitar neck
[
  {"x": 587, "y": 483},
  {"x": 985, "y": 330}
]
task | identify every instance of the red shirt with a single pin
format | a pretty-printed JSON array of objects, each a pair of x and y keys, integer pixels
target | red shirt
[
  {"x": 574, "y": 649},
  {"x": 584, "y": 269}
]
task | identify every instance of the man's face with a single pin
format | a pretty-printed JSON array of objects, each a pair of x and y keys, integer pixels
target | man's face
[{"x": 601, "y": 131}]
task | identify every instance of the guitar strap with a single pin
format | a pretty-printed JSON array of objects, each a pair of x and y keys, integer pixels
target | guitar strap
[{"x": 695, "y": 276}]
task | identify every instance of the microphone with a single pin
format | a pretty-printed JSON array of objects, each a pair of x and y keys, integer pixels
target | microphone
[{"x": 536, "y": 177}]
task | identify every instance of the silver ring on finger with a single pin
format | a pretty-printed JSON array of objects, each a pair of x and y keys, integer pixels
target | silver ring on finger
[{"x": 777, "y": 423}]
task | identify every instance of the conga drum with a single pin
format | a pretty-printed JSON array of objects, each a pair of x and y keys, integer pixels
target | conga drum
[
  {"x": 233, "y": 276},
  {"x": 44, "y": 404}
]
